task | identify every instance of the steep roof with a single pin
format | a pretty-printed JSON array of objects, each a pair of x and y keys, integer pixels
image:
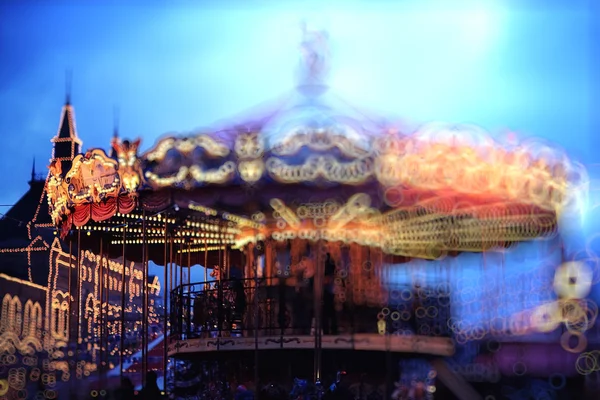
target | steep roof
[
  {"x": 14, "y": 224},
  {"x": 67, "y": 128},
  {"x": 66, "y": 142}
]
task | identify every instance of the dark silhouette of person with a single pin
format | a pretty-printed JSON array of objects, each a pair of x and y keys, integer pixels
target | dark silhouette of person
[
  {"x": 329, "y": 314},
  {"x": 239, "y": 295},
  {"x": 299, "y": 304},
  {"x": 416, "y": 304},
  {"x": 151, "y": 390},
  {"x": 126, "y": 391}
]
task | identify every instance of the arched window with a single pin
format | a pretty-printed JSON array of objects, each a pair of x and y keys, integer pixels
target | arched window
[
  {"x": 32, "y": 320},
  {"x": 56, "y": 318},
  {"x": 36, "y": 321},
  {"x": 90, "y": 314},
  {"x": 4, "y": 317},
  {"x": 27, "y": 317},
  {"x": 64, "y": 312},
  {"x": 16, "y": 312}
]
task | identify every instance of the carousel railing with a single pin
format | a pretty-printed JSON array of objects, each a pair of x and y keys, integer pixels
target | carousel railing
[
  {"x": 235, "y": 307},
  {"x": 239, "y": 307}
]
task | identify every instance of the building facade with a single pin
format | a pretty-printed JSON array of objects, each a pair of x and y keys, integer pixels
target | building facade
[{"x": 54, "y": 324}]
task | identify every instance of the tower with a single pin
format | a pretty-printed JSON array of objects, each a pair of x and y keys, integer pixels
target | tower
[{"x": 66, "y": 142}]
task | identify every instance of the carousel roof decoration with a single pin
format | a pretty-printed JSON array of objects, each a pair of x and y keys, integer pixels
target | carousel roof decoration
[{"x": 319, "y": 170}]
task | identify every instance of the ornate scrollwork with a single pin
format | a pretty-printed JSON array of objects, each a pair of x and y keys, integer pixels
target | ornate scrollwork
[
  {"x": 320, "y": 140},
  {"x": 325, "y": 167},
  {"x": 186, "y": 146},
  {"x": 188, "y": 173}
]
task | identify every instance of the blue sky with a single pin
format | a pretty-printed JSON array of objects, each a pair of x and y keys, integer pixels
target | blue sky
[{"x": 173, "y": 66}]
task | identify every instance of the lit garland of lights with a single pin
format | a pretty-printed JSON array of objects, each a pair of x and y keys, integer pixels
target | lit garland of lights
[
  {"x": 393, "y": 159},
  {"x": 241, "y": 221},
  {"x": 203, "y": 209},
  {"x": 186, "y": 146},
  {"x": 320, "y": 140},
  {"x": 201, "y": 249},
  {"x": 69, "y": 113},
  {"x": 327, "y": 168},
  {"x": 22, "y": 327}
]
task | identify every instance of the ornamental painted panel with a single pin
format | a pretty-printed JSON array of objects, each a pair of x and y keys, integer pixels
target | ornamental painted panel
[
  {"x": 57, "y": 192},
  {"x": 93, "y": 178}
]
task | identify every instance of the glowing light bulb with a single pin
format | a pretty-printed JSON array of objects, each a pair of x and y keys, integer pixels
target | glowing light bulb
[{"x": 573, "y": 280}]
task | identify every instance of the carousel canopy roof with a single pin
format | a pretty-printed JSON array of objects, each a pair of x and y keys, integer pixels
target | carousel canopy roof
[{"x": 310, "y": 165}]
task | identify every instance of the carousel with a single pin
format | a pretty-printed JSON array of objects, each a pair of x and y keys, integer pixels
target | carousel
[{"x": 300, "y": 216}]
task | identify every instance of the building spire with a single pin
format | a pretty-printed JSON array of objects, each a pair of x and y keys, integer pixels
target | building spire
[
  {"x": 68, "y": 81},
  {"x": 33, "y": 170},
  {"x": 66, "y": 142},
  {"x": 115, "y": 122},
  {"x": 115, "y": 138}
]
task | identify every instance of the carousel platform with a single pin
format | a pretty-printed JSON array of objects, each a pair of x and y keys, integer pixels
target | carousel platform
[{"x": 438, "y": 346}]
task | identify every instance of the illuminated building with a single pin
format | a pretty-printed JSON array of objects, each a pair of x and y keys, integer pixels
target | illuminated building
[{"x": 39, "y": 322}]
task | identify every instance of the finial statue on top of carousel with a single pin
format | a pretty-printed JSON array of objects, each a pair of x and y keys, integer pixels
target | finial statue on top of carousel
[{"x": 314, "y": 63}]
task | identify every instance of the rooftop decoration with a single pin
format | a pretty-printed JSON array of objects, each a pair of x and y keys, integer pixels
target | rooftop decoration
[{"x": 315, "y": 53}]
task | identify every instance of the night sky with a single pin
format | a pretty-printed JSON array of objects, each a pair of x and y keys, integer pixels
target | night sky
[{"x": 173, "y": 66}]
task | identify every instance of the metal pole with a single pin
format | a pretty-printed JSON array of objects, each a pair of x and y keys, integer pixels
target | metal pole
[
  {"x": 256, "y": 359},
  {"x": 172, "y": 303},
  {"x": 318, "y": 293},
  {"x": 123, "y": 285},
  {"x": 189, "y": 295},
  {"x": 205, "y": 262},
  {"x": 144, "y": 289},
  {"x": 101, "y": 316},
  {"x": 181, "y": 246},
  {"x": 220, "y": 296},
  {"x": 189, "y": 260},
  {"x": 147, "y": 305},
  {"x": 226, "y": 261},
  {"x": 165, "y": 314},
  {"x": 77, "y": 299},
  {"x": 171, "y": 269},
  {"x": 71, "y": 297},
  {"x": 107, "y": 302},
  {"x": 388, "y": 354}
]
